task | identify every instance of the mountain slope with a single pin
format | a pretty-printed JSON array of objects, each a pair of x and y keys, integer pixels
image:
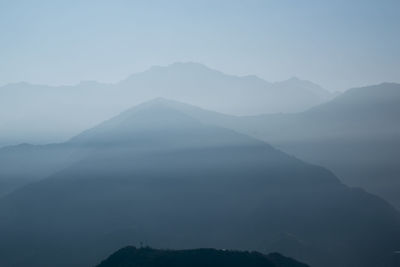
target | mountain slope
[
  {"x": 131, "y": 257},
  {"x": 156, "y": 174},
  {"x": 357, "y": 135}
]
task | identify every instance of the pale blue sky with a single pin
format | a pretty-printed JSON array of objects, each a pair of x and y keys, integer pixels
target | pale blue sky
[{"x": 338, "y": 44}]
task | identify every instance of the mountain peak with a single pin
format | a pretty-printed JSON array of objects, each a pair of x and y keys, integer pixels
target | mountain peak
[
  {"x": 379, "y": 93},
  {"x": 295, "y": 83},
  {"x": 160, "y": 120},
  {"x": 188, "y": 64},
  {"x": 185, "y": 67},
  {"x": 159, "y": 115}
]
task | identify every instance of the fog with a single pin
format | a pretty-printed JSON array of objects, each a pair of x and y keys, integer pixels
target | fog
[
  {"x": 333, "y": 43},
  {"x": 229, "y": 133}
]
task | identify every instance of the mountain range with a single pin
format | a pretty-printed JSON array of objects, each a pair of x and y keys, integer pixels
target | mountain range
[
  {"x": 356, "y": 135},
  {"x": 157, "y": 173},
  {"x": 43, "y": 114}
]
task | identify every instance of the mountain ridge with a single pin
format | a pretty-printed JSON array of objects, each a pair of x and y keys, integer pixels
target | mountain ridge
[
  {"x": 174, "y": 185},
  {"x": 74, "y": 108}
]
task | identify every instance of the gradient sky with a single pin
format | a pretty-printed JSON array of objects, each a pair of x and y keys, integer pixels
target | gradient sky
[{"x": 338, "y": 44}]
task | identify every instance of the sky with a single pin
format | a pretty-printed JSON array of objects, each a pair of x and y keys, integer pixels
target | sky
[{"x": 337, "y": 44}]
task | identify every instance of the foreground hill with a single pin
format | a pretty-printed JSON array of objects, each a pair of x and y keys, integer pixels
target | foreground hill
[
  {"x": 148, "y": 257},
  {"x": 158, "y": 175},
  {"x": 42, "y": 114}
]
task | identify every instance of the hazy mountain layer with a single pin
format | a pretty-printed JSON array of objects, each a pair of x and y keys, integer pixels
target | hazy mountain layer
[
  {"x": 356, "y": 135},
  {"x": 42, "y": 114},
  {"x": 158, "y": 175}
]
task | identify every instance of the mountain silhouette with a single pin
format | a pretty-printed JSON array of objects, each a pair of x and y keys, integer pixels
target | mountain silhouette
[
  {"x": 157, "y": 174},
  {"x": 132, "y": 257}
]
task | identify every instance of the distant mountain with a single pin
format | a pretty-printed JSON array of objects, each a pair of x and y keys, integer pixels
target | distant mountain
[
  {"x": 199, "y": 85},
  {"x": 42, "y": 114},
  {"x": 148, "y": 257},
  {"x": 157, "y": 174}
]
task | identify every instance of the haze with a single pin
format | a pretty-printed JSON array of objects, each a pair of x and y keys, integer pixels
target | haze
[
  {"x": 337, "y": 44},
  {"x": 199, "y": 133}
]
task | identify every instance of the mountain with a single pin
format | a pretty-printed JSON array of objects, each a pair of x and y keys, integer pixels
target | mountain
[
  {"x": 157, "y": 174},
  {"x": 356, "y": 135},
  {"x": 199, "y": 85},
  {"x": 146, "y": 257},
  {"x": 42, "y": 114}
]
